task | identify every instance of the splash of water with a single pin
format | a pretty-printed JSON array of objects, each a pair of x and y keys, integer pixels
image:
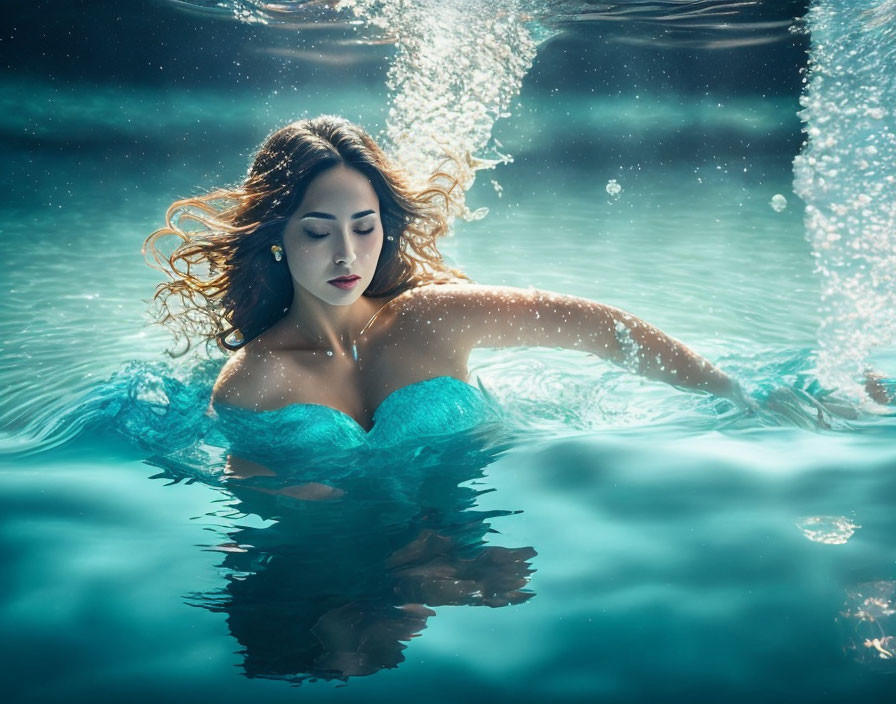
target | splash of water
[
  {"x": 846, "y": 174},
  {"x": 458, "y": 65}
]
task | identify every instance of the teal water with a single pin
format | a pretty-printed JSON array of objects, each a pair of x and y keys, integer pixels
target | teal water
[{"x": 624, "y": 541}]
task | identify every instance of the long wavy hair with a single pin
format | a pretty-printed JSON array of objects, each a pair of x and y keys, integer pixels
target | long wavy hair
[{"x": 225, "y": 285}]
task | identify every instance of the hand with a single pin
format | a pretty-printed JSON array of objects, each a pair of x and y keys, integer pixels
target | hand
[{"x": 806, "y": 410}]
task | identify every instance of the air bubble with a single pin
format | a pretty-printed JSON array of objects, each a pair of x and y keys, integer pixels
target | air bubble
[{"x": 778, "y": 203}]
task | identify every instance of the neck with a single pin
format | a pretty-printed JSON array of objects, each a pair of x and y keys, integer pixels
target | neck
[{"x": 318, "y": 325}]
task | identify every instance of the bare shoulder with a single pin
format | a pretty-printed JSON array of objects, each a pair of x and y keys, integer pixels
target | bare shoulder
[
  {"x": 449, "y": 304},
  {"x": 478, "y": 315},
  {"x": 232, "y": 381},
  {"x": 246, "y": 379},
  {"x": 449, "y": 317},
  {"x": 455, "y": 297}
]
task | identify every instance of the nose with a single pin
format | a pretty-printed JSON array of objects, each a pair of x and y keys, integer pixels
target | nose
[{"x": 345, "y": 252}]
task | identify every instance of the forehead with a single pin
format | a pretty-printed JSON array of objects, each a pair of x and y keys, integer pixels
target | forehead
[{"x": 339, "y": 190}]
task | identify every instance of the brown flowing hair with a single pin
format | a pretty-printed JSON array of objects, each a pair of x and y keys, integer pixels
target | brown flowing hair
[{"x": 225, "y": 285}]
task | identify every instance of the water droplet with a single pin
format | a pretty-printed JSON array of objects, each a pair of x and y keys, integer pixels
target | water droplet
[
  {"x": 329, "y": 353},
  {"x": 778, "y": 203}
]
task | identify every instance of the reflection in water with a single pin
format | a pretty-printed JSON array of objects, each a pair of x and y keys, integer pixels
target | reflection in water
[
  {"x": 868, "y": 617},
  {"x": 830, "y": 530},
  {"x": 343, "y": 577}
]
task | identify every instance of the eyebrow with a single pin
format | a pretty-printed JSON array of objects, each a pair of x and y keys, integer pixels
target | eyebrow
[{"x": 327, "y": 216}]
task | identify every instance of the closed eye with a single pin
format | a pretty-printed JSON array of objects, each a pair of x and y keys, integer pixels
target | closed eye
[{"x": 321, "y": 235}]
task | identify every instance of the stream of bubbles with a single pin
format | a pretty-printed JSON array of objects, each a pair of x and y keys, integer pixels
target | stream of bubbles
[
  {"x": 846, "y": 174},
  {"x": 458, "y": 64}
]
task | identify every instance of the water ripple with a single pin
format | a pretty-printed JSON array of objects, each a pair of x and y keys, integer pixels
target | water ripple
[{"x": 704, "y": 24}]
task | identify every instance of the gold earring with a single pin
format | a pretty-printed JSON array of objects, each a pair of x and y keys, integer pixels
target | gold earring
[{"x": 277, "y": 251}]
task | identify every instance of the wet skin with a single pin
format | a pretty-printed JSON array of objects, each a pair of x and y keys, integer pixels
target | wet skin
[{"x": 309, "y": 355}]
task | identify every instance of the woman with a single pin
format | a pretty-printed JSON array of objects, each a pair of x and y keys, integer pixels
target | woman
[{"x": 323, "y": 275}]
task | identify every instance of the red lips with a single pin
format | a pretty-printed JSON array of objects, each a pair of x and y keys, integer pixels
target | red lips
[{"x": 345, "y": 282}]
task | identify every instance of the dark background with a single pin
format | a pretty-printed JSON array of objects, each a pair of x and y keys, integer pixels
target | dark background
[
  {"x": 156, "y": 43},
  {"x": 157, "y": 54}
]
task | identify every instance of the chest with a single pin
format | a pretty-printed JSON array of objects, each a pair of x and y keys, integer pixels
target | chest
[
  {"x": 358, "y": 387},
  {"x": 438, "y": 407}
]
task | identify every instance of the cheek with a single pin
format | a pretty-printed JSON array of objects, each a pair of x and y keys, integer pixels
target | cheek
[
  {"x": 373, "y": 248},
  {"x": 301, "y": 259}
]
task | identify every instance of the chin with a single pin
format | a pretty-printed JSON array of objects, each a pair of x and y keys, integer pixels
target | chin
[
  {"x": 342, "y": 300},
  {"x": 334, "y": 296}
]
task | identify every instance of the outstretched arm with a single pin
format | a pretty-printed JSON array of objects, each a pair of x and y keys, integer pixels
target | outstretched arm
[{"x": 501, "y": 316}]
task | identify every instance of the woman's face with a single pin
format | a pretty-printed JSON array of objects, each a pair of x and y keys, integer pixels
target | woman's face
[{"x": 336, "y": 232}]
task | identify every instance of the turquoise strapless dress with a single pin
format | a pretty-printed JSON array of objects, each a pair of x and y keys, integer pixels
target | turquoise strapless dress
[{"x": 439, "y": 407}]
